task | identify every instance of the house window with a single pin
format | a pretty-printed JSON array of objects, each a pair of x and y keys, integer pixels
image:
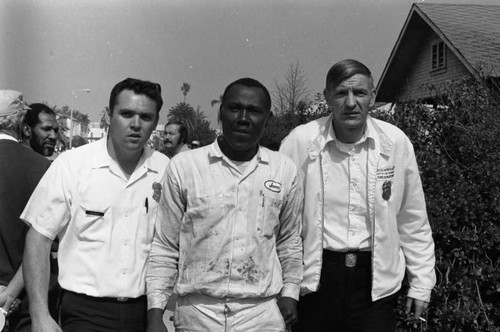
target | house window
[{"x": 438, "y": 56}]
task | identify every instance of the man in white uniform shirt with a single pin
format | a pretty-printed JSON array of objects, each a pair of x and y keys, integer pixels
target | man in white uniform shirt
[
  {"x": 101, "y": 200},
  {"x": 228, "y": 228},
  {"x": 365, "y": 220}
]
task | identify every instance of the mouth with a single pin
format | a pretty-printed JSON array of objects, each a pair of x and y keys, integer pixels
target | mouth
[
  {"x": 134, "y": 136},
  {"x": 242, "y": 131},
  {"x": 351, "y": 114},
  {"x": 49, "y": 145}
]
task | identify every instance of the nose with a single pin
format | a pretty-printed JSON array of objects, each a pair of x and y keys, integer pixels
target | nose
[
  {"x": 351, "y": 100},
  {"x": 243, "y": 115},
  {"x": 52, "y": 134},
  {"x": 136, "y": 122}
]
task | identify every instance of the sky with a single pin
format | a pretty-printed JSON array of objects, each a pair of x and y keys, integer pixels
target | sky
[{"x": 51, "y": 50}]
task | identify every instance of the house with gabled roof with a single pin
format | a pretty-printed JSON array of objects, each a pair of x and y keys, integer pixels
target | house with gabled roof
[{"x": 439, "y": 42}]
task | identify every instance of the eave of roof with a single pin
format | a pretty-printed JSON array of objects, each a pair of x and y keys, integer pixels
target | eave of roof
[{"x": 458, "y": 46}]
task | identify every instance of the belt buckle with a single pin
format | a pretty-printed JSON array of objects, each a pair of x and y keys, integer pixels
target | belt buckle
[
  {"x": 350, "y": 259},
  {"x": 122, "y": 299}
]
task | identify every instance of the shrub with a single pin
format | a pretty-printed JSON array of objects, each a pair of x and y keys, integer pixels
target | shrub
[{"x": 459, "y": 159}]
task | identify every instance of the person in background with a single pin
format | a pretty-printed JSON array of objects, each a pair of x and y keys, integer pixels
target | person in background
[
  {"x": 228, "y": 228},
  {"x": 365, "y": 219},
  {"x": 40, "y": 131},
  {"x": 40, "y": 127},
  {"x": 176, "y": 138},
  {"x": 100, "y": 199},
  {"x": 20, "y": 171}
]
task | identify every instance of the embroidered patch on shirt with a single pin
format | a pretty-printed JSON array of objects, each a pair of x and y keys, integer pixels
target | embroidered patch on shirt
[
  {"x": 273, "y": 186},
  {"x": 385, "y": 173}
]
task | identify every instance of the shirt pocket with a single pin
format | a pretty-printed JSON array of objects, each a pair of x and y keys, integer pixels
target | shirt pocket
[
  {"x": 269, "y": 216},
  {"x": 93, "y": 222},
  {"x": 206, "y": 215}
]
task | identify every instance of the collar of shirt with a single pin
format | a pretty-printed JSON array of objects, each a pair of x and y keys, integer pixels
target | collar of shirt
[
  {"x": 326, "y": 135},
  {"x": 331, "y": 137},
  {"x": 102, "y": 158},
  {"x": 7, "y": 137},
  {"x": 215, "y": 153}
]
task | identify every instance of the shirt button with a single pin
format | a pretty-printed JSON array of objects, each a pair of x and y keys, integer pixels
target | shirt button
[
  {"x": 124, "y": 271},
  {"x": 125, "y": 243}
]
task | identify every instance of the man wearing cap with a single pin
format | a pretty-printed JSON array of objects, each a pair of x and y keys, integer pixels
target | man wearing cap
[
  {"x": 101, "y": 200},
  {"x": 20, "y": 171}
]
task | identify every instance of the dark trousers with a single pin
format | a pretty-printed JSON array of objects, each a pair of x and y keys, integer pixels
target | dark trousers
[
  {"x": 82, "y": 313},
  {"x": 343, "y": 301}
]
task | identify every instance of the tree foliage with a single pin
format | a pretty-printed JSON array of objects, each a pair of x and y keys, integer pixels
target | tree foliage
[
  {"x": 459, "y": 160},
  {"x": 202, "y": 131},
  {"x": 104, "y": 120},
  {"x": 185, "y": 113},
  {"x": 288, "y": 94},
  {"x": 196, "y": 122},
  {"x": 185, "y": 88},
  {"x": 281, "y": 124}
]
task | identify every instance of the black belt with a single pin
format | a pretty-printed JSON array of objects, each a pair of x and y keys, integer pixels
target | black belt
[
  {"x": 108, "y": 299},
  {"x": 349, "y": 259}
]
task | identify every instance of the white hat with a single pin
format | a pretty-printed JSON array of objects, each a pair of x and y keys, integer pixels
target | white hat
[{"x": 11, "y": 102}]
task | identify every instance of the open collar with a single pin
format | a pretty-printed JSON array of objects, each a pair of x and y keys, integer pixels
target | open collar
[{"x": 326, "y": 134}]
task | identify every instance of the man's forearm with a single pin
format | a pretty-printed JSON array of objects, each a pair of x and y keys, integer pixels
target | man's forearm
[
  {"x": 16, "y": 285},
  {"x": 36, "y": 272}
]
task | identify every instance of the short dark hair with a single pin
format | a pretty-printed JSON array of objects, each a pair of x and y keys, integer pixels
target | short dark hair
[
  {"x": 32, "y": 115},
  {"x": 250, "y": 83},
  {"x": 140, "y": 87},
  {"x": 343, "y": 70},
  {"x": 183, "y": 131}
]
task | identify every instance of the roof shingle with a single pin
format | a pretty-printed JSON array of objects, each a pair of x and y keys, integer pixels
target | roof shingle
[{"x": 474, "y": 30}]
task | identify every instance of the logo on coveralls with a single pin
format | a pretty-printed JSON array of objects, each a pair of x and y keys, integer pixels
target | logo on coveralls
[{"x": 273, "y": 186}]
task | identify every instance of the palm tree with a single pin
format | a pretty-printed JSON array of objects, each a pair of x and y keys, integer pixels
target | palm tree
[
  {"x": 104, "y": 120},
  {"x": 185, "y": 113},
  {"x": 185, "y": 89}
]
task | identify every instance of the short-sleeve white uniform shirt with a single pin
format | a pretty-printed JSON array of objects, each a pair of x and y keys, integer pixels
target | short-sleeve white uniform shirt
[{"x": 105, "y": 221}]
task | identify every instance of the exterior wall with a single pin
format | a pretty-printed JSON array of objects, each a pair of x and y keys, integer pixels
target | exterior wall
[
  {"x": 420, "y": 72},
  {"x": 79, "y": 129}
]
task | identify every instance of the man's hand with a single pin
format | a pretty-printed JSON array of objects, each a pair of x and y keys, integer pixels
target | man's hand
[
  {"x": 6, "y": 299},
  {"x": 288, "y": 308},
  {"x": 155, "y": 321},
  {"x": 418, "y": 306}
]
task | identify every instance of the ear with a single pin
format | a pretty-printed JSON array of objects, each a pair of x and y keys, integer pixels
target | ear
[
  {"x": 26, "y": 130},
  {"x": 374, "y": 96},
  {"x": 218, "y": 114}
]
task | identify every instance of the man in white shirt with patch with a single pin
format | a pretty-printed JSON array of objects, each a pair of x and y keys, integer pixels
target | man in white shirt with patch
[
  {"x": 101, "y": 200},
  {"x": 365, "y": 220}
]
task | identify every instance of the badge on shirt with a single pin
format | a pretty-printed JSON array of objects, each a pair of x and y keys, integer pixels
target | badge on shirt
[
  {"x": 386, "y": 190},
  {"x": 156, "y": 191},
  {"x": 273, "y": 186}
]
